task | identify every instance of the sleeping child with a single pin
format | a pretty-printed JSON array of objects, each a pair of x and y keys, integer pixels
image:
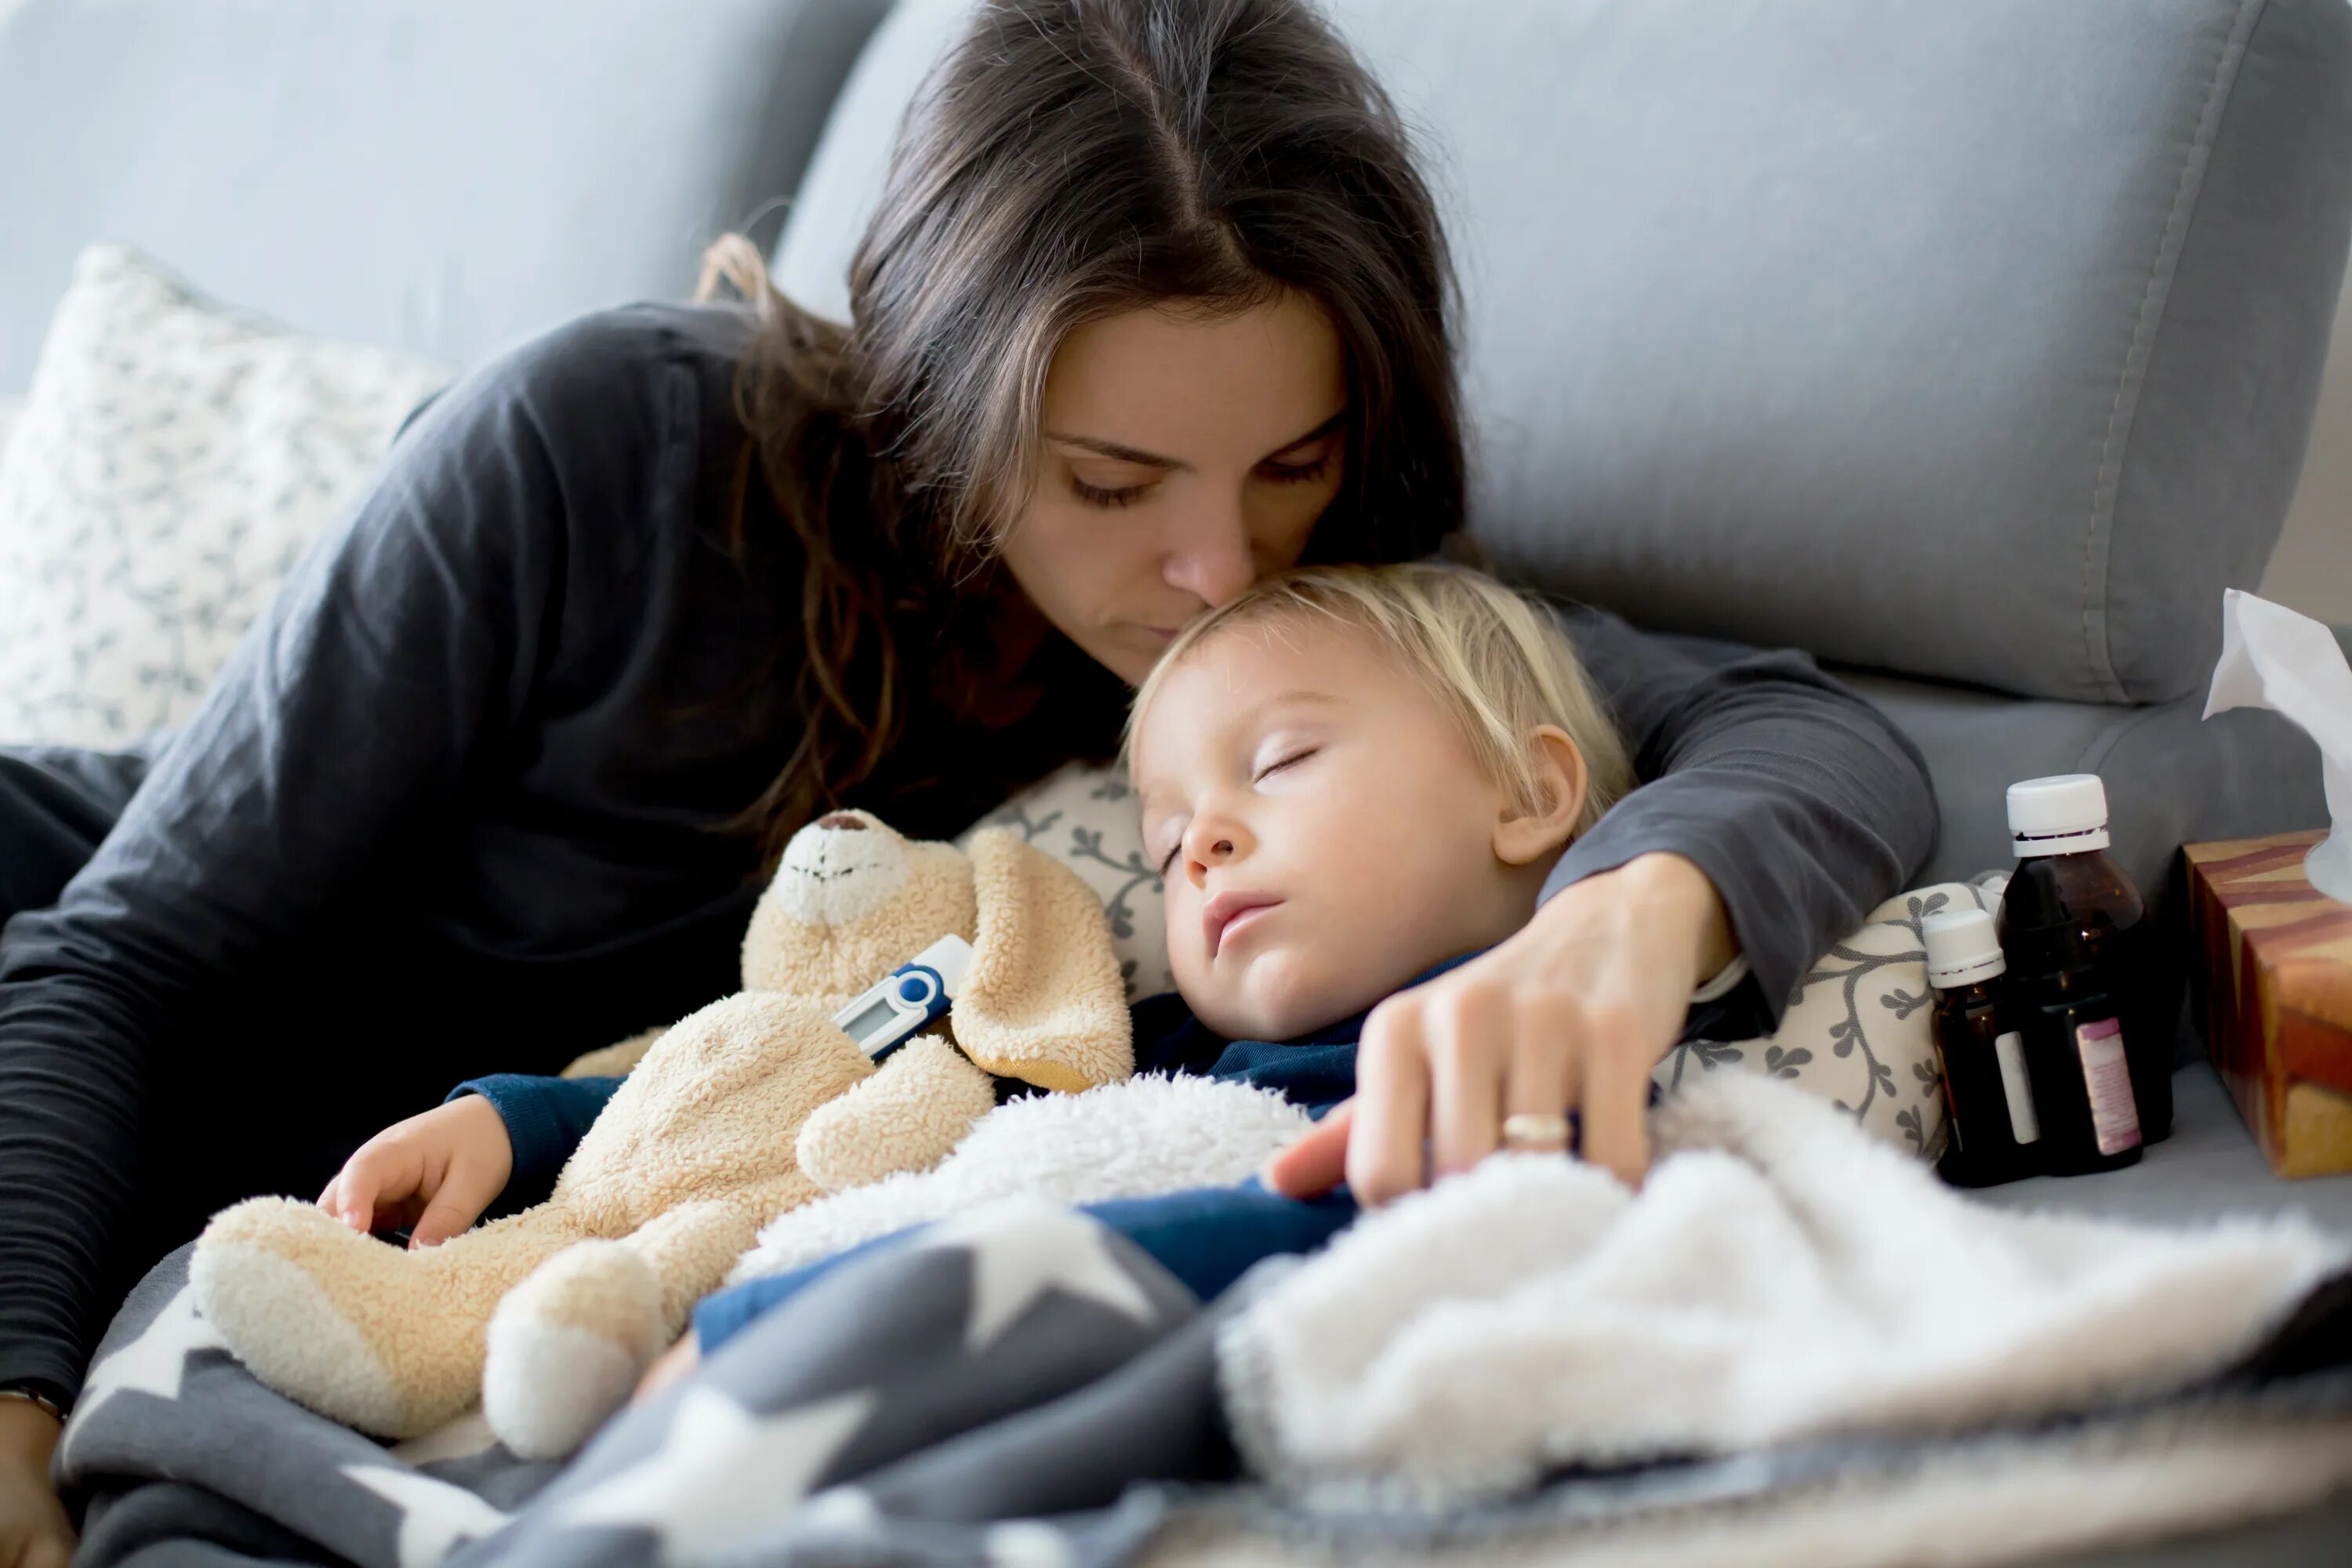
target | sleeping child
[{"x": 1351, "y": 779}]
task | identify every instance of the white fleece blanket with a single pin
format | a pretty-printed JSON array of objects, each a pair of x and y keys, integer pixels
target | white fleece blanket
[
  {"x": 1781, "y": 1275},
  {"x": 1136, "y": 1139}
]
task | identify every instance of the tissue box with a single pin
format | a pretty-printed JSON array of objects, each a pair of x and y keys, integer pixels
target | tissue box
[{"x": 2272, "y": 988}]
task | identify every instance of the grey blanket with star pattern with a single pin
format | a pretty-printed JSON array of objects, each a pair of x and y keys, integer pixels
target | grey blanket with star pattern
[{"x": 1023, "y": 1385}]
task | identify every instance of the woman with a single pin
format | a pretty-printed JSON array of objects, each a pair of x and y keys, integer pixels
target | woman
[{"x": 1155, "y": 303}]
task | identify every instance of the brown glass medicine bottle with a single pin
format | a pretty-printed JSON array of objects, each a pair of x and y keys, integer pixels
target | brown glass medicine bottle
[
  {"x": 2070, "y": 932},
  {"x": 1991, "y": 1134}
]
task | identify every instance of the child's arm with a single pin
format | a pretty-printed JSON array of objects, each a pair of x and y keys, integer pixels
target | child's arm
[
  {"x": 498, "y": 1139},
  {"x": 545, "y": 1118},
  {"x": 544, "y": 1122}
]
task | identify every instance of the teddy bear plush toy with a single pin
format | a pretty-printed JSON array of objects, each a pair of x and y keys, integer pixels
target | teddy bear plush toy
[{"x": 746, "y": 1108}]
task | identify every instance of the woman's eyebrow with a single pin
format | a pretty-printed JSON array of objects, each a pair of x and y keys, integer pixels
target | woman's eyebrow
[
  {"x": 1127, "y": 454},
  {"x": 1315, "y": 435}
]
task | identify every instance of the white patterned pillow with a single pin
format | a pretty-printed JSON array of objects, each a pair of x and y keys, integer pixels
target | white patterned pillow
[
  {"x": 1086, "y": 817},
  {"x": 1857, "y": 1032},
  {"x": 172, "y": 460}
]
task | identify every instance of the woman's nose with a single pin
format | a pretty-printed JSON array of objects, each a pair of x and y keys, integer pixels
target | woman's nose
[{"x": 1214, "y": 564}]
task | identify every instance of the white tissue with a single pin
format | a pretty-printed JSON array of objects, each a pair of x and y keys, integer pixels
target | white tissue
[{"x": 2273, "y": 658}]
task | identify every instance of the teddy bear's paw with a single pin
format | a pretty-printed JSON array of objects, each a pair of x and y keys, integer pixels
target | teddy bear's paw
[
  {"x": 567, "y": 1346},
  {"x": 268, "y": 1274},
  {"x": 913, "y": 1110}
]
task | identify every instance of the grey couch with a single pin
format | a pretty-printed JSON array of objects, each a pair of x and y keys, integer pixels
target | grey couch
[{"x": 1972, "y": 347}]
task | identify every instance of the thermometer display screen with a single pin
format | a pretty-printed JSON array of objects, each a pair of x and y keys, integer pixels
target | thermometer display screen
[{"x": 874, "y": 1018}]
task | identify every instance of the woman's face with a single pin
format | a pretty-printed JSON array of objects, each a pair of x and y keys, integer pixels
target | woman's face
[{"x": 1181, "y": 458}]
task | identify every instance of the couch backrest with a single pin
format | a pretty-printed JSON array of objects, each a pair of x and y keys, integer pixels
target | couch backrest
[
  {"x": 437, "y": 175},
  {"x": 1975, "y": 341}
]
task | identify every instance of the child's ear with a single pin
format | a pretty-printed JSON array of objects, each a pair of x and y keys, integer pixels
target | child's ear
[{"x": 1521, "y": 836}]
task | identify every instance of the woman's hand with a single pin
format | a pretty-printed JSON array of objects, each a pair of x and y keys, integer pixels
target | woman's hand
[
  {"x": 1572, "y": 1011},
  {"x": 434, "y": 1174},
  {"x": 34, "y": 1530}
]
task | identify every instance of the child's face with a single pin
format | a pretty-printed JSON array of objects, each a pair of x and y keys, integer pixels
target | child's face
[{"x": 1291, "y": 769}]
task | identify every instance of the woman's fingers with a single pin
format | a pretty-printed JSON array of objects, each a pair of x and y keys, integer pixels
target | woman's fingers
[
  {"x": 1467, "y": 1041},
  {"x": 1616, "y": 1099},
  {"x": 1317, "y": 1160},
  {"x": 1543, "y": 1078},
  {"x": 1392, "y": 1118}
]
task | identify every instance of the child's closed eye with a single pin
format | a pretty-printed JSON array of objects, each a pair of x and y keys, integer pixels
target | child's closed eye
[{"x": 1293, "y": 760}]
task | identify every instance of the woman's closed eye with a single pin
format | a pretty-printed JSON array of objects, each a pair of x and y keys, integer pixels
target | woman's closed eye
[
  {"x": 1113, "y": 496},
  {"x": 1298, "y": 473},
  {"x": 1095, "y": 495}
]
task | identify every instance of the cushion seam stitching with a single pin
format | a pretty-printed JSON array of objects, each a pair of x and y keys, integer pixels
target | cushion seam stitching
[{"x": 2153, "y": 296}]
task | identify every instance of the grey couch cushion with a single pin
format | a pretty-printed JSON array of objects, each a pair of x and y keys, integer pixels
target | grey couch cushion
[
  {"x": 2172, "y": 778},
  {"x": 1977, "y": 342},
  {"x": 437, "y": 175}
]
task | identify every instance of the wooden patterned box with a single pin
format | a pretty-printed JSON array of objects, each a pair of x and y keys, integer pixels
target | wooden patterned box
[{"x": 2272, "y": 990}]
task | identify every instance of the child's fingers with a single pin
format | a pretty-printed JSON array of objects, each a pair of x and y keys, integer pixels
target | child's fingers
[
  {"x": 444, "y": 1217},
  {"x": 455, "y": 1205},
  {"x": 669, "y": 1367},
  {"x": 1313, "y": 1163},
  {"x": 378, "y": 1177}
]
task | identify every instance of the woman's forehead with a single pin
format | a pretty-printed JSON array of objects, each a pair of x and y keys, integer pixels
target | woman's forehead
[{"x": 1199, "y": 389}]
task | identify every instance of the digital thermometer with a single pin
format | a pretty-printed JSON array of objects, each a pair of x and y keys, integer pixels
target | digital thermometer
[{"x": 908, "y": 997}]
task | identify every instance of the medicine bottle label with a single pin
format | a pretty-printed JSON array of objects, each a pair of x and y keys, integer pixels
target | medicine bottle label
[
  {"x": 2010, "y": 1049},
  {"x": 2107, "y": 1073}
]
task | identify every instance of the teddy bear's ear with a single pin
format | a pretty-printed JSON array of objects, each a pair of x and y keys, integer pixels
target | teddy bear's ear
[{"x": 1042, "y": 1001}]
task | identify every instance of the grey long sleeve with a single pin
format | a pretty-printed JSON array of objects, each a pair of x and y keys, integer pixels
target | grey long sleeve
[
  {"x": 1802, "y": 803},
  {"x": 428, "y": 822}
]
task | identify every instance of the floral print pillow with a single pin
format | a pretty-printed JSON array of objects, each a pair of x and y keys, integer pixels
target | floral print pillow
[
  {"x": 172, "y": 460},
  {"x": 1856, "y": 1031}
]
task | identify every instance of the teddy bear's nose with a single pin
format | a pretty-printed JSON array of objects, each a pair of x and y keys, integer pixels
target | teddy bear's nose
[{"x": 841, "y": 822}]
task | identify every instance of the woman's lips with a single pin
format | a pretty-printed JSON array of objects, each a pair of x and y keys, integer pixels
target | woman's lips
[{"x": 1227, "y": 913}]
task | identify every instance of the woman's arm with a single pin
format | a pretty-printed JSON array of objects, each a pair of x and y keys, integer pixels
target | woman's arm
[
  {"x": 337, "y": 745},
  {"x": 1776, "y": 808},
  {"x": 1804, "y": 804}
]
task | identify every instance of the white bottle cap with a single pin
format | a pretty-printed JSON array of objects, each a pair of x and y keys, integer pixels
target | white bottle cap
[
  {"x": 1961, "y": 948},
  {"x": 2058, "y": 816}
]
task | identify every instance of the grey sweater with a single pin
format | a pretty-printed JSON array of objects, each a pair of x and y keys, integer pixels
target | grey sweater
[{"x": 443, "y": 815}]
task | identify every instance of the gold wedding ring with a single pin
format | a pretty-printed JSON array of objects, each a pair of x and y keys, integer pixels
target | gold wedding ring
[{"x": 1530, "y": 1130}]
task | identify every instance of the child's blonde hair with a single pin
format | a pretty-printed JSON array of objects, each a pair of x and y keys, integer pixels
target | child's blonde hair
[{"x": 1495, "y": 659}]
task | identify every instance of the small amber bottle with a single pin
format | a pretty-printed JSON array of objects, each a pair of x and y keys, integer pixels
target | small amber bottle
[{"x": 1991, "y": 1132}]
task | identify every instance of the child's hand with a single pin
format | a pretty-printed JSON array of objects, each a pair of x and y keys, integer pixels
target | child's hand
[
  {"x": 669, "y": 1367},
  {"x": 434, "y": 1174}
]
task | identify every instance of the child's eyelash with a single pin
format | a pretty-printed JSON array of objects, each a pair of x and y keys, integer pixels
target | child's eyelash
[
  {"x": 1169, "y": 859},
  {"x": 1299, "y": 756}
]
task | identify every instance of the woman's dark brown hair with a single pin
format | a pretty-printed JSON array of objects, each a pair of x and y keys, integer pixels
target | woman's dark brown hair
[{"x": 1066, "y": 161}]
